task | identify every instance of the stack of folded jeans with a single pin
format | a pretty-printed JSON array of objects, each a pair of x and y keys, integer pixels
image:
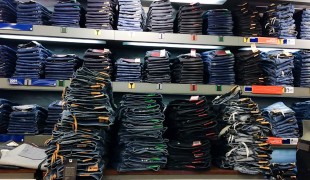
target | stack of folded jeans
[
  {"x": 219, "y": 67},
  {"x": 279, "y": 21},
  {"x": 246, "y": 21},
  {"x": 278, "y": 68},
  {"x": 5, "y": 111},
  {"x": 7, "y": 61},
  {"x": 190, "y": 127},
  {"x": 189, "y": 19},
  {"x": 218, "y": 22},
  {"x": 27, "y": 119},
  {"x": 101, "y": 14},
  {"x": 67, "y": 13},
  {"x": 128, "y": 70},
  {"x": 248, "y": 68},
  {"x": 157, "y": 67},
  {"x": 188, "y": 69},
  {"x": 160, "y": 17},
  {"x": 33, "y": 13},
  {"x": 7, "y": 11},
  {"x": 61, "y": 67},
  {"x": 244, "y": 146},
  {"x": 304, "y": 32},
  {"x": 30, "y": 60},
  {"x": 82, "y": 132},
  {"x": 283, "y": 120},
  {"x": 302, "y": 112},
  {"x": 302, "y": 68},
  {"x": 98, "y": 60},
  {"x": 131, "y": 15},
  {"x": 54, "y": 114},
  {"x": 283, "y": 171},
  {"x": 141, "y": 145}
]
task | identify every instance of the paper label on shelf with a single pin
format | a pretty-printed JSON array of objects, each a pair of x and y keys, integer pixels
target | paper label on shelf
[
  {"x": 193, "y": 52},
  {"x": 131, "y": 85},
  {"x": 162, "y": 53},
  {"x": 256, "y": 89},
  {"x": 194, "y": 37},
  {"x": 43, "y": 82},
  {"x": 16, "y": 81},
  {"x": 19, "y": 27},
  {"x": 161, "y": 36},
  {"x": 97, "y": 32},
  {"x": 137, "y": 60},
  {"x": 261, "y": 40},
  {"x": 253, "y": 47},
  {"x": 274, "y": 140},
  {"x": 289, "y": 90},
  {"x": 289, "y": 41},
  {"x": 294, "y": 140},
  {"x": 194, "y": 98}
]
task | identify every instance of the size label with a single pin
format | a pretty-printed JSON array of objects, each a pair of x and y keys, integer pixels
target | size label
[
  {"x": 131, "y": 85},
  {"x": 137, "y": 60},
  {"x": 253, "y": 47},
  {"x": 97, "y": 32},
  {"x": 162, "y": 53},
  {"x": 193, "y": 52},
  {"x": 194, "y": 37},
  {"x": 194, "y": 98},
  {"x": 196, "y": 143},
  {"x": 289, "y": 90}
]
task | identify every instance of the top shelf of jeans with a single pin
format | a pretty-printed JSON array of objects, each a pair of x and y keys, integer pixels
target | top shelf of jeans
[
  {"x": 83, "y": 35},
  {"x": 166, "y": 88}
]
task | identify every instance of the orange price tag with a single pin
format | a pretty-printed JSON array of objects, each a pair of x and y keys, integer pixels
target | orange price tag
[
  {"x": 274, "y": 140},
  {"x": 266, "y": 40},
  {"x": 267, "y": 89}
]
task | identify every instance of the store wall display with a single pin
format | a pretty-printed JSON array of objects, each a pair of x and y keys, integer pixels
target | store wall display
[
  {"x": 189, "y": 19},
  {"x": 54, "y": 114},
  {"x": 279, "y": 22},
  {"x": 30, "y": 60},
  {"x": 131, "y": 16},
  {"x": 7, "y": 61},
  {"x": 82, "y": 132},
  {"x": 101, "y": 14},
  {"x": 219, "y": 67},
  {"x": 278, "y": 67},
  {"x": 248, "y": 68},
  {"x": 191, "y": 125},
  {"x": 156, "y": 68},
  {"x": 246, "y": 20},
  {"x": 61, "y": 66},
  {"x": 219, "y": 22},
  {"x": 141, "y": 144},
  {"x": 33, "y": 13},
  {"x": 301, "y": 68},
  {"x": 283, "y": 120},
  {"x": 67, "y": 13},
  {"x": 244, "y": 146},
  {"x": 27, "y": 119},
  {"x": 7, "y": 11},
  {"x": 128, "y": 70}
]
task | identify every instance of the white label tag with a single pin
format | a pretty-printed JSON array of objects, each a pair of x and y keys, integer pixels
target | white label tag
[
  {"x": 162, "y": 53},
  {"x": 289, "y": 90},
  {"x": 194, "y": 98},
  {"x": 196, "y": 143},
  {"x": 291, "y": 41},
  {"x": 253, "y": 47},
  {"x": 227, "y": 52},
  {"x": 293, "y": 140},
  {"x": 193, "y": 52},
  {"x": 137, "y": 60}
]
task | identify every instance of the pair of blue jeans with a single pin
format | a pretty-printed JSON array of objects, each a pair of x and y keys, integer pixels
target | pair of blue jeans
[
  {"x": 7, "y": 61},
  {"x": 131, "y": 16},
  {"x": 7, "y": 11},
  {"x": 302, "y": 68},
  {"x": 219, "y": 22},
  {"x": 189, "y": 19},
  {"x": 54, "y": 114},
  {"x": 67, "y": 14},
  {"x": 32, "y": 13},
  {"x": 128, "y": 70}
]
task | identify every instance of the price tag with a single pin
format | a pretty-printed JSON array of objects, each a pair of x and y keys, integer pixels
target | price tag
[
  {"x": 161, "y": 36},
  {"x": 70, "y": 167},
  {"x": 193, "y": 87},
  {"x": 194, "y": 37},
  {"x": 221, "y": 38},
  {"x": 159, "y": 86},
  {"x": 294, "y": 140},
  {"x": 253, "y": 47},
  {"x": 193, "y": 52},
  {"x": 289, "y": 90},
  {"x": 131, "y": 85},
  {"x": 290, "y": 41},
  {"x": 194, "y": 98},
  {"x": 137, "y": 60},
  {"x": 97, "y": 32},
  {"x": 196, "y": 143},
  {"x": 162, "y": 53},
  {"x": 63, "y": 30}
]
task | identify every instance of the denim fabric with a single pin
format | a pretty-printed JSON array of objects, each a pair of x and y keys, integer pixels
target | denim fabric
[
  {"x": 187, "y": 69},
  {"x": 99, "y": 60},
  {"x": 283, "y": 171},
  {"x": 27, "y": 119},
  {"x": 32, "y": 13},
  {"x": 61, "y": 66},
  {"x": 5, "y": 111},
  {"x": 246, "y": 20},
  {"x": 7, "y": 61},
  {"x": 278, "y": 67},
  {"x": 302, "y": 68},
  {"x": 160, "y": 17},
  {"x": 302, "y": 112},
  {"x": 54, "y": 114},
  {"x": 101, "y": 14},
  {"x": 219, "y": 67},
  {"x": 282, "y": 119},
  {"x": 248, "y": 68},
  {"x": 30, "y": 60},
  {"x": 189, "y": 19},
  {"x": 67, "y": 13},
  {"x": 156, "y": 68},
  {"x": 303, "y": 25},
  {"x": 279, "y": 22},
  {"x": 243, "y": 146},
  {"x": 218, "y": 22},
  {"x": 140, "y": 137},
  {"x": 128, "y": 70},
  {"x": 83, "y": 132},
  {"x": 131, "y": 15},
  {"x": 7, "y": 11}
]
